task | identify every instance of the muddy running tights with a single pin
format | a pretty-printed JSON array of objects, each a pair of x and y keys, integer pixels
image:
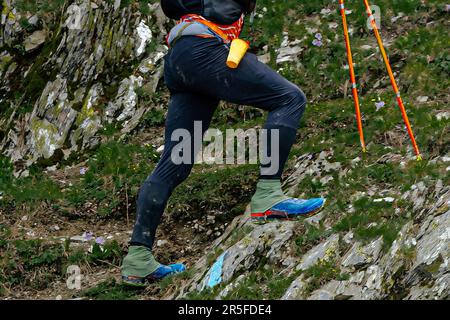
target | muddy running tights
[{"x": 198, "y": 78}]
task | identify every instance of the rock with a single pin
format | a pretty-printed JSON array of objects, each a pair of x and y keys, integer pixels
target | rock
[
  {"x": 35, "y": 40},
  {"x": 160, "y": 149},
  {"x": 288, "y": 54},
  {"x": 443, "y": 115},
  {"x": 325, "y": 251},
  {"x": 316, "y": 219},
  {"x": 395, "y": 259},
  {"x": 265, "y": 58},
  {"x": 359, "y": 255},
  {"x": 94, "y": 48},
  {"x": 78, "y": 239},
  {"x": 417, "y": 195},
  {"x": 440, "y": 290},
  {"x": 295, "y": 290},
  {"x": 288, "y": 51},
  {"x": 333, "y": 25},
  {"x": 387, "y": 199},
  {"x": 144, "y": 36},
  {"x": 321, "y": 294},
  {"x": 336, "y": 290},
  {"x": 422, "y": 99},
  {"x": 356, "y": 161},
  {"x": 348, "y": 238},
  {"x": 325, "y": 180},
  {"x": 311, "y": 166},
  {"x": 263, "y": 241},
  {"x": 374, "y": 281},
  {"x": 229, "y": 288},
  {"x": 124, "y": 106},
  {"x": 433, "y": 244},
  {"x": 161, "y": 243},
  {"x": 89, "y": 122},
  {"x": 33, "y": 20}
]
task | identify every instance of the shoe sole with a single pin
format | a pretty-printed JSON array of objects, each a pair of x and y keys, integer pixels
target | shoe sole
[
  {"x": 134, "y": 284},
  {"x": 145, "y": 281},
  {"x": 264, "y": 220}
]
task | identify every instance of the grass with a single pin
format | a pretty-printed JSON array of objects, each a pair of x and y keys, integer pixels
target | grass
[
  {"x": 257, "y": 285},
  {"x": 266, "y": 284},
  {"x": 38, "y": 264},
  {"x": 110, "y": 290},
  {"x": 321, "y": 273},
  {"x": 116, "y": 168},
  {"x": 225, "y": 191},
  {"x": 312, "y": 236}
]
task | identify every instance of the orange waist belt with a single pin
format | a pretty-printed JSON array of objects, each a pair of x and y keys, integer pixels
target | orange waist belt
[{"x": 209, "y": 24}]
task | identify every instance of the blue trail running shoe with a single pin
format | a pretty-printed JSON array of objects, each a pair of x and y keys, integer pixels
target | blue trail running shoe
[
  {"x": 290, "y": 209},
  {"x": 160, "y": 273}
]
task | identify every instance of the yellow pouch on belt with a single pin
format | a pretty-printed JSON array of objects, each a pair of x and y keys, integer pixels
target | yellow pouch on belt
[{"x": 238, "y": 50}]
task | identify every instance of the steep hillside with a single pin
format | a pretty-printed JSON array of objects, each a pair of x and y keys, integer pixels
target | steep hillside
[{"x": 82, "y": 109}]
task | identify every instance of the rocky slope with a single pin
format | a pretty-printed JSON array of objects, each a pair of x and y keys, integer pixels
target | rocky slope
[
  {"x": 86, "y": 75},
  {"x": 339, "y": 266},
  {"x": 81, "y": 124}
]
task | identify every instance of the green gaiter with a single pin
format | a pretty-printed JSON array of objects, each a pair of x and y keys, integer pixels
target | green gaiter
[
  {"x": 268, "y": 193},
  {"x": 139, "y": 262}
]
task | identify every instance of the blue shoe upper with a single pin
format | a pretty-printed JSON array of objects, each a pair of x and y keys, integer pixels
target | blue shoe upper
[
  {"x": 299, "y": 206},
  {"x": 164, "y": 271}
]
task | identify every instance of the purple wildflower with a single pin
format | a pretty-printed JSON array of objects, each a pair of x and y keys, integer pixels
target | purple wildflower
[
  {"x": 447, "y": 7},
  {"x": 83, "y": 171},
  {"x": 380, "y": 105},
  {"x": 88, "y": 236},
  {"x": 100, "y": 240},
  {"x": 317, "y": 43},
  {"x": 318, "y": 36}
]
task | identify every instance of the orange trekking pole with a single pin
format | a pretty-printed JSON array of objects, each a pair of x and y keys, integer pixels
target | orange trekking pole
[
  {"x": 391, "y": 76},
  {"x": 352, "y": 76}
]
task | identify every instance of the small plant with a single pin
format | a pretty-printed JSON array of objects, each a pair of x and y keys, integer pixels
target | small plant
[
  {"x": 321, "y": 273},
  {"x": 110, "y": 290}
]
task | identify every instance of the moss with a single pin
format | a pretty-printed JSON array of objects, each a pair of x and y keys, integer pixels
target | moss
[
  {"x": 87, "y": 110},
  {"x": 265, "y": 284},
  {"x": 5, "y": 62},
  {"x": 320, "y": 274},
  {"x": 237, "y": 235},
  {"x": 46, "y": 137},
  {"x": 434, "y": 267}
]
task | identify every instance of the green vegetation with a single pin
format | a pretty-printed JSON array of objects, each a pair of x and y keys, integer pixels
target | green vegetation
[
  {"x": 227, "y": 190},
  {"x": 371, "y": 220},
  {"x": 110, "y": 290},
  {"x": 112, "y": 172},
  {"x": 266, "y": 283},
  {"x": 321, "y": 273},
  {"x": 310, "y": 237},
  {"x": 37, "y": 264}
]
